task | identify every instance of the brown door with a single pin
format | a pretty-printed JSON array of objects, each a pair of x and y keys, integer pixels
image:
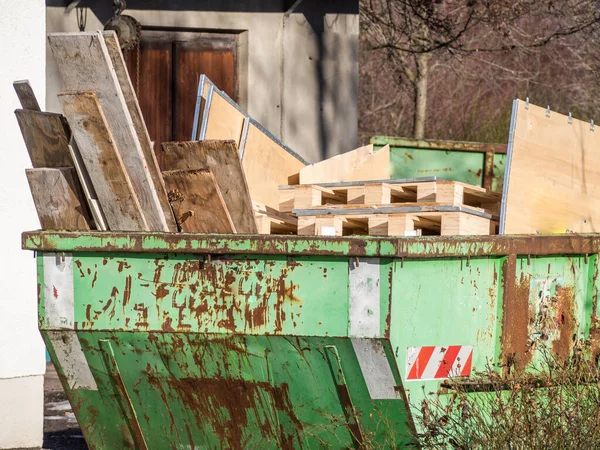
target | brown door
[{"x": 170, "y": 65}]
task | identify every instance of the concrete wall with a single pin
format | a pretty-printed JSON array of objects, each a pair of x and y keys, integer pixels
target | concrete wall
[
  {"x": 22, "y": 360},
  {"x": 302, "y": 74}
]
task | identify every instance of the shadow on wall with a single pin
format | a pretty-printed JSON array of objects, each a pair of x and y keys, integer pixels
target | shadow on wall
[{"x": 103, "y": 8}]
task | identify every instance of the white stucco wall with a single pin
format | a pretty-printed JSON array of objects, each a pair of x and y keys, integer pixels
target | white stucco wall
[
  {"x": 22, "y": 360},
  {"x": 315, "y": 112}
]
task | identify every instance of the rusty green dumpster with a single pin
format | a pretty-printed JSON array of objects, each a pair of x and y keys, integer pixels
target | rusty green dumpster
[{"x": 190, "y": 341}]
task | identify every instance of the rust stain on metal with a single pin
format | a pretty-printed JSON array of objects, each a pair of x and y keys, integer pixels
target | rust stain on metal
[
  {"x": 515, "y": 341},
  {"x": 126, "y": 291},
  {"x": 566, "y": 321},
  {"x": 78, "y": 264},
  {"x": 122, "y": 265},
  {"x": 142, "y": 315},
  {"x": 228, "y": 405}
]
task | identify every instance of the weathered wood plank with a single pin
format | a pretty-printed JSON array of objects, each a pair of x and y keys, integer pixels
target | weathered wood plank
[
  {"x": 197, "y": 201},
  {"x": 88, "y": 188},
  {"x": 84, "y": 63},
  {"x": 103, "y": 161},
  {"x": 26, "y": 96},
  {"x": 58, "y": 199},
  {"x": 46, "y": 137},
  {"x": 223, "y": 160},
  {"x": 131, "y": 100}
]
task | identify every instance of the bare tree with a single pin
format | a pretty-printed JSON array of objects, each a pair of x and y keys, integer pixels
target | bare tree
[{"x": 416, "y": 35}]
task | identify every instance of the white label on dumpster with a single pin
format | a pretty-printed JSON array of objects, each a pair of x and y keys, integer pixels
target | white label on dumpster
[
  {"x": 59, "y": 309},
  {"x": 71, "y": 358},
  {"x": 438, "y": 363},
  {"x": 376, "y": 369},
  {"x": 365, "y": 320}
]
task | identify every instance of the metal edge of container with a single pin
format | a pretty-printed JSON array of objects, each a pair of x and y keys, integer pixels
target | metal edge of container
[
  {"x": 509, "y": 151},
  {"x": 410, "y": 247},
  {"x": 435, "y": 144}
]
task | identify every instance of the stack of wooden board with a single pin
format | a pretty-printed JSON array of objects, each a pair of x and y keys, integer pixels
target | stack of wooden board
[
  {"x": 95, "y": 167},
  {"x": 392, "y": 208}
]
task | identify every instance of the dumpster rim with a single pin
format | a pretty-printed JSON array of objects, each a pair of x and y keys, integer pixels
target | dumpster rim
[{"x": 410, "y": 247}]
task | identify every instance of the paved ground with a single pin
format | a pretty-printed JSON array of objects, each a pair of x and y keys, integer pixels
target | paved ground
[{"x": 61, "y": 431}]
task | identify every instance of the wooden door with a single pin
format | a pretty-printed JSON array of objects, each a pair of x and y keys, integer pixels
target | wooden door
[{"x": 170, "y": 65}]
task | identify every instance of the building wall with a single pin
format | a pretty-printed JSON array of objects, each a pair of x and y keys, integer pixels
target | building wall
[
  {"x": 22, "y": 361},
  {"x": 302, "y": 74}
]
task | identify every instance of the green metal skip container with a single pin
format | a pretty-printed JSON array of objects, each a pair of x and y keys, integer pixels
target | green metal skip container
[{"x": 188, "y": 341}]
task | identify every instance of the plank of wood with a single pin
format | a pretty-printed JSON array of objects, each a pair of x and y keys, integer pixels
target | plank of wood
[
  {"x": 552, "y": 181},
  {"x": 88, "y": 188},
  {"x": 46, "y": 137},
  {"x": 267, "y": 166},
  {"x": 459, "y": 223},
  {"x": 103, "y": 162},
  {"x": 133, "y": 106},
  {"x": 392, "y": 225},
  {"x": 222, "y": 158},
  {"x": 26, "y": 96},
  {"x": 347, "y": 210},
  {"x": 320, "y": 226},
  {"x": 197, "y": 201},
  {"x": 84, "y": 63},
  {"x": 58, "y": 199}
]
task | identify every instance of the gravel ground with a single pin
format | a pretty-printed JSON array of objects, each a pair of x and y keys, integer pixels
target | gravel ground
[{"x": 61, "y": 430}]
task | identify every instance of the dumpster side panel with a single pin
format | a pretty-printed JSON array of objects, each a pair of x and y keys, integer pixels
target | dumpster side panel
[
  {"x": 253, "y": 295},
  {"x": 443, "y": 320},
  {"x": 231, "y": 391}
]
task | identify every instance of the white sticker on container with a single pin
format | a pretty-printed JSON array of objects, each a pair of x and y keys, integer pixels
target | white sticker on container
[{"x": 59, "y": 306}]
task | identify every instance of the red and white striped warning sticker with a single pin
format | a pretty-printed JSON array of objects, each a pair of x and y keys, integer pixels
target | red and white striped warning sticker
[{"x": 433, "y": 363}]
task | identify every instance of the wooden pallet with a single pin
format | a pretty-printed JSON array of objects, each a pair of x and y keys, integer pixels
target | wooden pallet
[
  {"x": 271, "y": 221},
  {"x": 396, "y": 221},
  {"x": 389, "y": 192}
]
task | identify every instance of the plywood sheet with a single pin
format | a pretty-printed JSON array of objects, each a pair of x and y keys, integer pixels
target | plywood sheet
[
  {"x": 222, "y": 158},
  {"x": 225, "y": 121},
  {"x": 197, "y": 202},
  {"x": 58, "y": 199},
  {"x": 267, "y": 166},
  {"x": 552, "y": 184},
  {"x": 266, "y": 162},
  {"x": 103, "y": 162},
  {"x": 337, "y": 168},
  {"x": 84, "y": 63},
  {"x": 374, "y": 167}
]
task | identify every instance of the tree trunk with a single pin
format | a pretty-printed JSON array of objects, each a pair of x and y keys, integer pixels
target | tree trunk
[{"x": 422, "y": 62}]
